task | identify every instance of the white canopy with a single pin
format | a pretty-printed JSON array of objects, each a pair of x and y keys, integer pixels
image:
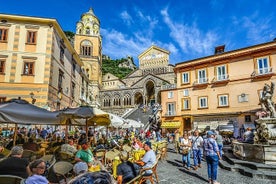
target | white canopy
[
  {"x": 132, "y": 123},
  {"x": 116, "y": 121}
]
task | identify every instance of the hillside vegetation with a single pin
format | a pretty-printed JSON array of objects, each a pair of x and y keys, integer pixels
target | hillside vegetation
[{"x": 112, "y": 66}]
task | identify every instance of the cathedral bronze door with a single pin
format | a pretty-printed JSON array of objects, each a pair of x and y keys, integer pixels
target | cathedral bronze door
[
  {"x": 150, "y": 93},
  {"x": 138, "y": 99}
]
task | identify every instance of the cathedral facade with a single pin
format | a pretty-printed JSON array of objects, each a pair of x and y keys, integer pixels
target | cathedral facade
[{"x": 142, "y": 86}]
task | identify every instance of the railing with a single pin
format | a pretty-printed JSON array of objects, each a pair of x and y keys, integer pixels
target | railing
[
  {"x": 220, "y": 78},
  {"x": 168, "y": 86},
  {"x": 201, "y": 81},
  {"x": 263, "y": 71}
]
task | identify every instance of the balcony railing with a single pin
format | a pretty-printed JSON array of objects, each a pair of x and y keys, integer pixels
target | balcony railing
[
  {"x": 170, "y": 114},
  {"x": 220, "y": 78},
  {"x": 168, "y": 86},
  {"x": 261, "y": 72},
  {"x": 201, "y": 81}
]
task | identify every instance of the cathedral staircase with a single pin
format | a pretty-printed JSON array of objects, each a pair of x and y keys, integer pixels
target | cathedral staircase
[{"x": 138, "y": 114}]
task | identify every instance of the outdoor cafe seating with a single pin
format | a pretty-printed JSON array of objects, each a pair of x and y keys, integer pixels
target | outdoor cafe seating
[{"x": 10, "y": 179}]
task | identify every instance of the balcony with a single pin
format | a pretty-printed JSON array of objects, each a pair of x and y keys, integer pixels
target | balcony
[
  {"x": 201, "y": 83},
  {"x": 262, "y": 74},
  {"x": 168, "y": 86},
  {"x": 170, "y": 113},
  {"x": 220, "y": 80}
]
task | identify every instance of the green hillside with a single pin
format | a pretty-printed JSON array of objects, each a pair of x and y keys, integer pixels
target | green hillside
[{"x": 112, "y": 66}]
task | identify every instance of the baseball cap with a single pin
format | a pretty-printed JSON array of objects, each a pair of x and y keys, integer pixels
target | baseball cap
[{"x": 210, "y": 133}]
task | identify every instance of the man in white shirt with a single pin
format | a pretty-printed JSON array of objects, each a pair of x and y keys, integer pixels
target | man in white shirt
[{"x": 197, "y": 142}]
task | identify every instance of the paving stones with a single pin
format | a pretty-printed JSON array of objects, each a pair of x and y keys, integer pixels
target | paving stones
[{"x": 171, "y": 171}]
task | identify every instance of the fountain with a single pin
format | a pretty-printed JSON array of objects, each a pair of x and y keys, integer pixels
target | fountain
[{"x": 264, "y": 148}]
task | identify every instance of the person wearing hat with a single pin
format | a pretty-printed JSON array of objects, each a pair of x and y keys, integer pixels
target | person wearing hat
[
  {"x": 80, "y": 167},
  {"x": 37, "y": 168},
  {"x": 148, "y": 159},
  {"x": 15, "y": 164},
  {"x": 126, "y": 170},
  {"x": 211, "y": 151}
]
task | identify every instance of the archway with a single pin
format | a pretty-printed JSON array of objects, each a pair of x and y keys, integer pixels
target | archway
[
  {"x": 150, "y": 93},
  {"x": 159, "y": 97},
  {"x": 138, "y": 98}
]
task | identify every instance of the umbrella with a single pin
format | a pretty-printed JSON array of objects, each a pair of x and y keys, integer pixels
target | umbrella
[
  {"x": 20, "y": 111},
  {"x": 86, "y": 115}
]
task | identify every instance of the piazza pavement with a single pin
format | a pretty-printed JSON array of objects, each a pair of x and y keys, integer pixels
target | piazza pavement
[{"x": 171, "y": 171}]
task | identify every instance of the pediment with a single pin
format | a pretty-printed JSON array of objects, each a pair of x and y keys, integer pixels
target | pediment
[
  {"x": 157, "y": 80},
  {"x": 109, "y": 76}
]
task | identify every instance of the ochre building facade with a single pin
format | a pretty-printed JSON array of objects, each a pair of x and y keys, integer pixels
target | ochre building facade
[{"x": 219, "y": 89}]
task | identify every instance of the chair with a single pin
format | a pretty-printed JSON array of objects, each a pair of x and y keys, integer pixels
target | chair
[
  {"x": 62, "y": 170},
  {"x": 66, "y": 156},
  {"x": 144, "y": 178},
  {"x": 29, "y": 154},
  {"x": 135, "y": 180},
  {"x": 127, "y": 148},
  {"x": 162, "y": 149},
  {"x": 100, "y": 155},
  {"x": 10, "y": 179},
  {"x": 50, "y": 160}
]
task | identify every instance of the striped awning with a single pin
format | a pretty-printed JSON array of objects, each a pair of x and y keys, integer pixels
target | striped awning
[{"x": 171, "y": 124}]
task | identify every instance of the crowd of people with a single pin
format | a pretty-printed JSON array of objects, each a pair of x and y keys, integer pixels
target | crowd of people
[
  {"x": 81, "y": 148},
  {"x": 209, "y": 146}
]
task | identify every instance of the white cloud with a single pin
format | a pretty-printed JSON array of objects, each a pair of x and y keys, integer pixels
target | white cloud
[
  {"x": 126, "y": 17},
  {"x": 189, "y": 38},
  {"x": 257, "y": 28}
]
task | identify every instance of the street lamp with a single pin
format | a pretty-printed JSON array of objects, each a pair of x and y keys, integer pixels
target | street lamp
[{"x": 33, "y": 98}]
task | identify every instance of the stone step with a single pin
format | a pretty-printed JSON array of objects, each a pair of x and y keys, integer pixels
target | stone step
[{"x": 248, "y": 171}]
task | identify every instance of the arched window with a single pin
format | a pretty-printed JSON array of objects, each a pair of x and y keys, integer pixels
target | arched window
[
  {"x": 87, "y": 31},
  {"x": 117, "y": 100},
  {"x": 86, "y": 48},
  {"x": 127, "y": 100},
  {"x": 106, "y": 101}
]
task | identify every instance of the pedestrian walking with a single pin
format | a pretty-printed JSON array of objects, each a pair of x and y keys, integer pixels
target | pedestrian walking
[
  {"x": 185, "y": 147},
  {"x": 197, "y": 142},
  {"x": 211, "y": 151}
]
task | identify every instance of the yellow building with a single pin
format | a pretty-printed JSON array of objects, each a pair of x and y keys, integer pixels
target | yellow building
[
  {"x": 219, "y": 89},
  {"x": 39, "y": 64}
]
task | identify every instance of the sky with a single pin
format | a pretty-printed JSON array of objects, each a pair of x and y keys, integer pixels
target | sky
[{"x": 189, "y": 29}]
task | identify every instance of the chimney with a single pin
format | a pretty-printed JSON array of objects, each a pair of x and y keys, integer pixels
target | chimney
[{"x": 219, "y": 49}]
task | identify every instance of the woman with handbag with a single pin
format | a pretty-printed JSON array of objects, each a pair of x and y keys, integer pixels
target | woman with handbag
[{"x": 185, "y": 145}]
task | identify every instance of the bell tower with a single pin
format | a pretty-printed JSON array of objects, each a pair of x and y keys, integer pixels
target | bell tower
[{"x": 88, "y": 44}]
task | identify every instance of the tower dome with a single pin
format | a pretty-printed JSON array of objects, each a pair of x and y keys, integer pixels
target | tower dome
[{"x": 89, "y": 24}]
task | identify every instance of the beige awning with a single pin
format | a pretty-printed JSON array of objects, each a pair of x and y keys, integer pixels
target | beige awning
[{"x": 171, "y": 124}]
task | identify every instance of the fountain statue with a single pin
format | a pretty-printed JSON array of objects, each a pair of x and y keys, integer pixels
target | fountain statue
[
  {"x": 266, "y": 125},
  {"x": 264, "y": 148}
]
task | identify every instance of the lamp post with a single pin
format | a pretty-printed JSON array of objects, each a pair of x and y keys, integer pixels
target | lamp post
[{"x": 33, "y": 98}]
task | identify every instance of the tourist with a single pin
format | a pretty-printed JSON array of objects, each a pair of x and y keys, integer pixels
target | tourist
[
  {"x": 126, "y": 170},
  {"x": 1, "y": 150},
  {"x": 219, "y": 141},
  {"x": 85, "y": 154},
  {"x": 69, "y": 148},
  {"x": 211, "y": 151},
  {"x": 197, "y": 142},
  {"x": 176, "y": 140},
  {"x": 148, "y": 159},
  {"x": 15, "y": 164},
  {"x": 248, "y": 135},
  {"x": 37, "y": 169},
  {"x": 185, "y": 145},
  {"x": 136, "y": 144},
  {"x": 80, "y": 168}
]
